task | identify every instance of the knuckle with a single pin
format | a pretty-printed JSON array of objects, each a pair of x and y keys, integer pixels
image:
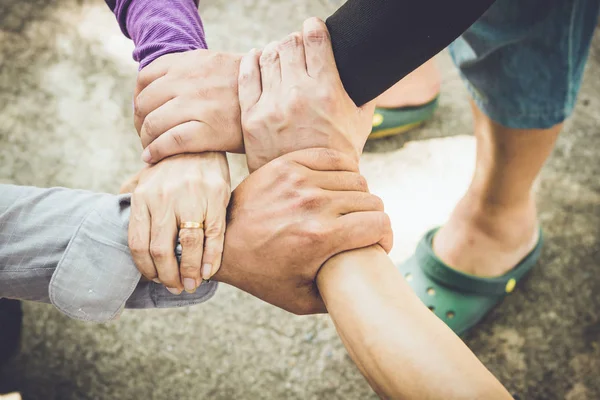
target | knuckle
[
  {"x": 314, "y": 231},
  {"x": 163, "y": 193},
  {"x": 219, "y": 191},
  {"x": 159, "y": 250},
  {"x": 245, "y": 77},
  {"x": 361, "y": 183},
  {"x": 136, "y": 246},
  {"x": 377, "y": 203},
  {"x": 138, "y": 109},
  {"x": 204, "y": 92},
  {"x": 149, "y": 127},
  {"x": 296, "y": 179},
  {"x": 291, "y": 177},
  {"x": 282, "y": 166},
  {"x": 311, "y": 200},
  {"x": 143, "y": 78},
  {"x": 327, "y": 97},
  {"x": 252, "y": 124},
  {"x": 382, "y": 222},
  {"x": 189, "y": 238},
  {"x": 189, "y": 271},
  {"x": 386, "y": 222},
  {"x": 215, "y": 229},
  {"x": 293, "y": 40},
  {"x": 192, "y": 183},
  {"x": 218, "y": 59},
  {"x": 333, "y": 157},
  {"x": 269, "y": 55},
  {"x": 317, "y": 35},
  {"x": 297, "y": 100},
  {"x": 178, "y": 139},
  {"x": 272, "y": 115}
]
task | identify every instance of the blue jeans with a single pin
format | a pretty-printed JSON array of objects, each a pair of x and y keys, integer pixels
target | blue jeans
[{"x": 523, "y": 60}]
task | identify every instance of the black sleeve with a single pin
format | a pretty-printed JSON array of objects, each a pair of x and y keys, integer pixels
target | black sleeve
[{"x": 378, "y": 42}]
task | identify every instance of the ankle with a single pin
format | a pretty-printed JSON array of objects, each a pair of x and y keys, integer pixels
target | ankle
[
  {"x": 418, "y": 88},
  {"x": 509, "y": 223},
  {"x": 487, "y": 239},
  {"x": 410, "y": 96}
]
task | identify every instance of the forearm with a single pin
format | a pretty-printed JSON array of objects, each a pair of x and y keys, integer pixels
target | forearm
[
  {"x": 378, "y": 42},
  {"x": 402, "y": 349},
  {"x": 159, "y": 27}
]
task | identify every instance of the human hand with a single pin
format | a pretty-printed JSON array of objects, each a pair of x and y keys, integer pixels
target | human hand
[
  {"x": 291, "y": 98},
  {"x": 188, "y": 103},
  {"x": 287, "y": 218},
  {"x": 184, "y": 188}
]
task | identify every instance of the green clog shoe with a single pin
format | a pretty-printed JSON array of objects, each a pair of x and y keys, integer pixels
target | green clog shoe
[
  {"x": 394, "y": 121},
  {"x": 460, "y": 300}
]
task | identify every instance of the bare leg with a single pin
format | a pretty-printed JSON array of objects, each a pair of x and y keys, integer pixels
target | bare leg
[
  {"x": 419, "y": 87},
  {"x": 495, "y": 225}
]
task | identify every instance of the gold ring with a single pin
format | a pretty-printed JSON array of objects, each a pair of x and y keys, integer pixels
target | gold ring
[{"x": 191, "y": 225}]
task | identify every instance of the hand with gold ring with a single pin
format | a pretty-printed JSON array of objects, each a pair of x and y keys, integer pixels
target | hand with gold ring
[{"x": 182, "y": 198}]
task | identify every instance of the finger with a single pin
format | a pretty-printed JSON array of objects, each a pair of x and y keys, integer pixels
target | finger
[
  {"x": 352, "y": 202},
  {"x": 362, "y": 229},
  {"x": 292, "y": 59},
  {"x": 192, "y": 241},
  {"x": 270, "y": 70},
  {"x": 153, "y": 96},
  {"x": 152, "y": 72},
  {"x": 162, "y": 246},
  {"x": 139, "y": 237},
  {"x": 320, "y": 62},
  {"x": 249, "y": 81},
  {"x": 214, "y": 236},
  {"x": 339, "y": 181},
  {"x": 189, "y": 137},
  {"x": 322, "y": 159},
  {"x": 169, "y": 115}
]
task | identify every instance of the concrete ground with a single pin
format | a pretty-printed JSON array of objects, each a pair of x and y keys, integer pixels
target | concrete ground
[{"x": 66, "y": 81}]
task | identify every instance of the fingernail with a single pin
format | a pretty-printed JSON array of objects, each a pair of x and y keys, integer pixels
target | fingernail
[
  {"x": 156, "y": 280},
  {"x": 190, "y": 285},
  {"x": 174, "y": 291},
  {"x": 146, "y": 156},
  {"x": 206, "y": 270}
]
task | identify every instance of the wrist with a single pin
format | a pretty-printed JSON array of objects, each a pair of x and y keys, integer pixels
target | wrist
[{"x": 338, "y": 268}]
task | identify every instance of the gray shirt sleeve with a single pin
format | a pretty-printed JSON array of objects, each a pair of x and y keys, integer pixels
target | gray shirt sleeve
[{"x": 69, "y": 248}]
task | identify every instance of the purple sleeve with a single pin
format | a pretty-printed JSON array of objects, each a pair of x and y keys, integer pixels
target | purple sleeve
[{"x": 159, "y": 27}]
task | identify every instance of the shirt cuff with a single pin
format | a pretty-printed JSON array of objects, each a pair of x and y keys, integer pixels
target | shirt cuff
[
  {"x": 163, "y": 27},
  {"x": 96, "y": 277}
]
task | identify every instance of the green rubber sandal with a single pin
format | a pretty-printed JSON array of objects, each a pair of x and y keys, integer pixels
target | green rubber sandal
[
  {"x": 394, "y": 121},
  {"x": 460, "y": 300}
]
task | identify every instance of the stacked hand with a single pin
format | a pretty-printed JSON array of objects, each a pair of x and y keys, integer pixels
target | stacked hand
[
  {"x": 289, "y": 217},
  {"x": 291, "y": 98},
  {"x": 184, "y": 188},
  {"x": 286, "y": 219},
  {"x": 176, "y": 115}
]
